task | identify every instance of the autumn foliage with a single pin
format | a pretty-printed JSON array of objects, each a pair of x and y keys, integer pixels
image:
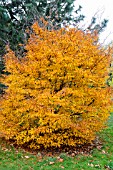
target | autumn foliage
[{"x": 57, "y": 94}]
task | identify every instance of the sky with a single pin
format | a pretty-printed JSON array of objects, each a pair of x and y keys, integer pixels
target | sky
[{"x": 102, "y": 9}]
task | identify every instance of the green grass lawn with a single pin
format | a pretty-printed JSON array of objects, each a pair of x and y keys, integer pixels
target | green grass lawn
[{"x": 100, "y": 158}]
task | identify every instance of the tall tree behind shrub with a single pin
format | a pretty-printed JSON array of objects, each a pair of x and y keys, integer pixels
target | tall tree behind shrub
[
  {"x": 57, "y": 94},
  {"x": 17, "y": 15}
]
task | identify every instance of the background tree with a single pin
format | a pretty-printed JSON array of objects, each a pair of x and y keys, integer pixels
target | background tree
[{"x": 17, "y": 15}]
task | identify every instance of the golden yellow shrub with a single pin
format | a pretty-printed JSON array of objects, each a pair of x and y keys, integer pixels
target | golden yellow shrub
[{"x": 57, "y": 94}]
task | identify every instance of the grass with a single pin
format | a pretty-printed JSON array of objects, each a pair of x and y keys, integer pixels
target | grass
[{"x": 100, "y": 158}]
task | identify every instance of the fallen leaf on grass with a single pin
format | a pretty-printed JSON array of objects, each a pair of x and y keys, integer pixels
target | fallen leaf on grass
[
  {"x": 60, "y": 160},
  {"x": 97, "y": 166},
  {"x": 62, "y": 167},
  {"x": 4, "y": 149},
  {"x": 107, "y": 167},
  {"x": 39, "y": 154},
  {"x": 103, "y": 151},
  {"x": 99, "y": 147},
  {"x": 90, "y": 165},
  {"x": 73, "y": 154},
  {"x": 51, "y": 163},
  {"x": 26, "y": 156}
]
